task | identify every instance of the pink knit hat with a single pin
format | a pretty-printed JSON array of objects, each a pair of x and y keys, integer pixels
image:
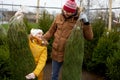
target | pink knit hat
[{"x": 70, "y": 6}]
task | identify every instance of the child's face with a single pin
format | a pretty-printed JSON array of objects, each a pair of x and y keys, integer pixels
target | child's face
[{"x": 39, "y": 35}]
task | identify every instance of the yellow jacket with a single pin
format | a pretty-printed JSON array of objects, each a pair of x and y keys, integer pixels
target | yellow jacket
[{"x": 40, "y": 55}]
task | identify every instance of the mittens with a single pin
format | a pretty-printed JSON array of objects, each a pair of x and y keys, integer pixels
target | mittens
[
  {"x": 84, "y": 18},
  {"x": 30, "y": 76}
]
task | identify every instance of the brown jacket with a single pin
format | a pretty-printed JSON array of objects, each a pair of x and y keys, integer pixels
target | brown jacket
[{"x": 61, "y": 29}]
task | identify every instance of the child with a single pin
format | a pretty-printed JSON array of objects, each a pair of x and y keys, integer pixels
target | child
[{"x": 39, "y": 51}]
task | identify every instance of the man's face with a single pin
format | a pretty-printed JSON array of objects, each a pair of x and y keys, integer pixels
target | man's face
[{"x": 67, "y": 14}]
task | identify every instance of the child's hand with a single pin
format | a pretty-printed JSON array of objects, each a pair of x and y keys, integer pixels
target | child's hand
[{"x": 30, "y": 76}]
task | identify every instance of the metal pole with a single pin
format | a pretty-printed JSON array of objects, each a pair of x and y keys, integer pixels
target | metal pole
[
  {"x": 110, "y": 15},
  {"x": 37, "y": 14},
  {"x": 81, "y": 3},
  {"x": 2, "y": 12},
  {"x": 88, "y": 10},
  {"x": 12, "y": 6},
  {"x": 119, "y": 18}
]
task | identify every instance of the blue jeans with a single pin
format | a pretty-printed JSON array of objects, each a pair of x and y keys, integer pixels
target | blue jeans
[{"x": 56, "y": 69}]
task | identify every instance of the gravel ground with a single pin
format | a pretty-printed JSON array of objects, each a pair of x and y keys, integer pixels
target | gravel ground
[{"x": 85, "y": 75}]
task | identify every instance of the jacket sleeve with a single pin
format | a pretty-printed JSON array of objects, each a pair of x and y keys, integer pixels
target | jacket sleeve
[
  {"x": 42, "y": 61},
  {"x": 87, "y": 32},
  {"x": 51, "y": 31}
]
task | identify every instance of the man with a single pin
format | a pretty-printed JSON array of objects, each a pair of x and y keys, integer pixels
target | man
[{"x": 61, "y": 29}]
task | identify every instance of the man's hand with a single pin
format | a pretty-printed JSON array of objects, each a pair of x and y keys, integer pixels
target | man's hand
[
  {"x": 44, "y": 41},
  {"x": 84, "y": 18}
]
